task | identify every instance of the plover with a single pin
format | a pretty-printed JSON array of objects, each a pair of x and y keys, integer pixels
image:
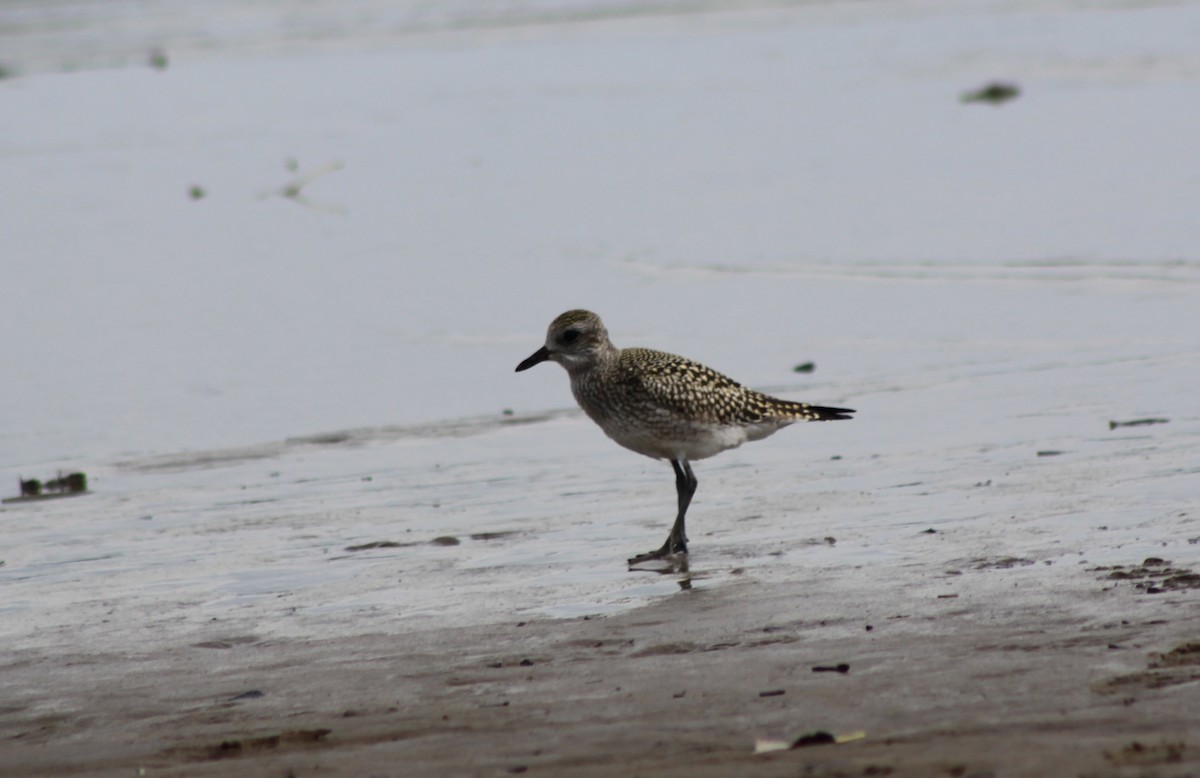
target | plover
[{"x": 664, "y": 406}]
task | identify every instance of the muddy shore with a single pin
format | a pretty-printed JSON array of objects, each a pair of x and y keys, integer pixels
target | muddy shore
[
  {"x": 1069, "y": 674},
  {"x": 268, "y": 288}
]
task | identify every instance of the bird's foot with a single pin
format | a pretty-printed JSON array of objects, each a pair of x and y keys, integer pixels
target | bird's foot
[{"x": 669, "y": 549}]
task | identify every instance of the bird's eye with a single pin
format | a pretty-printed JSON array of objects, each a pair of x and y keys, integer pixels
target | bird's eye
[{"x": 569, "y": 337}]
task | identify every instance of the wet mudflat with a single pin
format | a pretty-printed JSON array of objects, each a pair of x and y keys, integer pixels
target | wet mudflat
[
  {"x": 332, "y": 609},
  {"x": 1024, "y": 672},
  {"x": 328, "y": 531}
]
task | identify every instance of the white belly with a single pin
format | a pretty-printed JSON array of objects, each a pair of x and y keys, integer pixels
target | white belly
[{"x": 690, "y": 443}]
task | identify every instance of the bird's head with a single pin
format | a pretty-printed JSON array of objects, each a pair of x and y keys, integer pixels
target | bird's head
[{"x": 575, "y": 340}]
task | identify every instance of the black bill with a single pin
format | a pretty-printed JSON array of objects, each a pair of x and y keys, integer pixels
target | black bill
[{"x": 541, "y": 355}]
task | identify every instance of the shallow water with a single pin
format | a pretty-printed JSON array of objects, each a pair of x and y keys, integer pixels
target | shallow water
[{"x": 255, "y": 384}]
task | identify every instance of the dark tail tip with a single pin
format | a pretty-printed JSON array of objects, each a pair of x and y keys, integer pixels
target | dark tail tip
[{"x": 830, "y": 414}]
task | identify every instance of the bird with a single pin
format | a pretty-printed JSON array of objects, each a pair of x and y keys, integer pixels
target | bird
[{"x": 664, "y": 406}]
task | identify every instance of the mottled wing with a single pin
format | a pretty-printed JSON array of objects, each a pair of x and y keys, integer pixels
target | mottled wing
[{"x": 686, "y": 389}]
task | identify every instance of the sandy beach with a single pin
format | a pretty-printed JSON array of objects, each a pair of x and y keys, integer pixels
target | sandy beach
[{"x": 270, "y": 270}]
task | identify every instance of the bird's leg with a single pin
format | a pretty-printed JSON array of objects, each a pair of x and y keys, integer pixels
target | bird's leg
[{"x": 685, "y": 487}]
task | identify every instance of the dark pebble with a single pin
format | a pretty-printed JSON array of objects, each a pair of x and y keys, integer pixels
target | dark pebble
[{"x": 814, "y": 739}]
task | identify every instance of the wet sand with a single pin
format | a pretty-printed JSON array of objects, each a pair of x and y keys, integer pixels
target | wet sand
[
  {"x": 330, "y": 532},
  {"x": 1006, "y": 674}
]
